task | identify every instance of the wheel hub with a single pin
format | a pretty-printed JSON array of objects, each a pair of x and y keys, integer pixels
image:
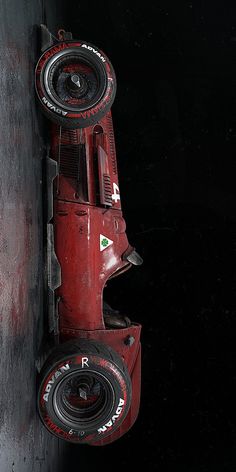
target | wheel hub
[
  {"x": 77, "y": 85},
  {"x": 73, "y": 81}
]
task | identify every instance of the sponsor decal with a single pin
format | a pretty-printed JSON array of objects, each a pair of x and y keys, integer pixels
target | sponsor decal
[
  {"x": 100, "y": 106},
  {"x": 104, "y": 242},
  {"x": 113, "y": 419},
  {"x": 53, "y": 427},
  {"x": 53, "y": 108},
  {"x": 55, "y": 49},
  {"x": 55, "y": 376},
  {"x": 48, "y": 54},
  {"x": 90, "y": 48}
]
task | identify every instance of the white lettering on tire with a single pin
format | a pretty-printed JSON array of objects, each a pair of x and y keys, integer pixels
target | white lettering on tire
[
  {"x": 84, "y": 362},
  {"x": 114, "y": 418},
  {"x": 53, "y": 108},
  {"x": 55, "y": 376},
  {"x": 90, "y": 48}
]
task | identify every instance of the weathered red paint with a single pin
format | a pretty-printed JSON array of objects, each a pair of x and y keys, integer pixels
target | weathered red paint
[{"x": 78, "y": 223}]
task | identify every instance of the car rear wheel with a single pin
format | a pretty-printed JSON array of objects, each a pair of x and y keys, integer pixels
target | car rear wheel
[{"x": 84, "y": 391}]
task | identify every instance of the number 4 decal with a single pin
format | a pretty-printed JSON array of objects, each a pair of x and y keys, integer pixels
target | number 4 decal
[{"x": 116, "y": 194}]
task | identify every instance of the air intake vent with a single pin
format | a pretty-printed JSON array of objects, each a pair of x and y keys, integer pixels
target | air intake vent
[
  {"x": 69, "y": 160},
  {"x": 70, "y": 153},
  {"x": 112, "y": 143},
  {"x": 107, "y": 190},
  {"x": 69, "y": 136}
]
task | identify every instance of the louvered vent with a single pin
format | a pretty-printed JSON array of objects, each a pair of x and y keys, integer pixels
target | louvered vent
[
  {"x": 69, "y": 160},
  {"x": 69, "y": 136},
  {"x": 107, "y": 190},
  {"x": 112, "y": 144},
  {"x": 70, "y": 150}
]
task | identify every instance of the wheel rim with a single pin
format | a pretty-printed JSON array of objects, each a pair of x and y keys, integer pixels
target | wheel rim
[
  {"x": 83, "y": 399},
  {"x": 73, "y": 81}
]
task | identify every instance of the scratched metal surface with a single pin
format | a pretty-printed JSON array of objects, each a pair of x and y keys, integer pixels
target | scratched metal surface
[{"x": 25, "y": 446}]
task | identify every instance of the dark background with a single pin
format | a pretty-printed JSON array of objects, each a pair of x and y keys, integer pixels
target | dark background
[
  {"x": 174, "y": 119},
  {"x": 175, "y": 127}
]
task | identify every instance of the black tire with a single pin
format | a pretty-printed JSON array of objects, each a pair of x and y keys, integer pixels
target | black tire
[
  {"x": 84, "y": 391},
  {"x": 75, "y": 83}
]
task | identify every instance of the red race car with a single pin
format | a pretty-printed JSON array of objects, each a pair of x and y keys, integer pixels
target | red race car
[{"x": 89, "y": 386}]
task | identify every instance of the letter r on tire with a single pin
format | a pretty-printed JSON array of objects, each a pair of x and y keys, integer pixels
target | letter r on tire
[{"x": 84, "y": 362}]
